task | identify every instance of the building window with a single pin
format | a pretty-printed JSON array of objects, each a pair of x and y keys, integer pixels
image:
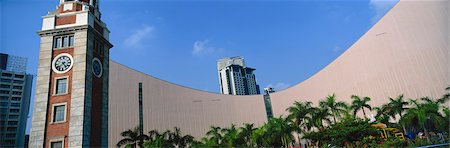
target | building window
[
  {"x": 13, "y": 116},
  {"x": 10, "y": 141},
  {"x": 16, "y": 98},
  {"x": 6, "y": 74},
  {"x": 15, "y": 104},
  {"x": 56, "y": 144},
  {"x": 12, "y": 122},
  {"x": 59, "y": 113},
  {"x": 14, "y": 110},
  {"x": 98, "y": 47},
  {"x": 5, "y": 86},
  {"x": 57, "y": 43},
  {"x": 4, "y": 92},
  {"x": 61, "y": 86},
  {"x": 4, "y": 98},
  {"x": 10, "y": 135},
  {"x": 19, "y": 76},
  {"x": 11, "y": 128},
  {"x": 4, "y": 104},
  {"x": 17, "y": 87},
  {"x": 71, "y": 40},
  {"x": 63, "y": 41},
  {"x": 18, "y": 81},
  {"x": 17, "y": 93},
  {"x": 6, "y": 80}
]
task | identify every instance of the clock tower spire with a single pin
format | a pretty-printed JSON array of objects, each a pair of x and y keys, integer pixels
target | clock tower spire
[{"x": 71, "y": 102}]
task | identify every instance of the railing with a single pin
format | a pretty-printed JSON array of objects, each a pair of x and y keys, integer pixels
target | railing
[{"x": 436, "y": 145}]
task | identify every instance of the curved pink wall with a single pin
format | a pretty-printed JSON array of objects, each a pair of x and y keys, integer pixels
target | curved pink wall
[
  {"x": 406, "y": 52},
  {"x": 166, "y": 105}
]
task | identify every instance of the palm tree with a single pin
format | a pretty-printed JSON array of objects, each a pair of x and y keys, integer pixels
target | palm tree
[
  {"x": 287, "y": 128},
  {"x": 425, "y": 114},
  {"x": 131, "y": 138},
  {"x": 348, "y": 113},
  {"x": 279, "y": 132},
  {"x": 317, "y": 117},
  {"x": 216, "y": 136},
  {"x": 336, "y": 108},
  {"x": 382, "y": 114},
  {"x": 157, "y": 139},
  {"x": 359, "y": 103},
  {"x": 445, "y": 97},
  {"x": 299, "y": 112},
  {"x": 230, "y": 135},
  {"x": 260, "y": 136},
  {"x": 245, "y": 135},
  {"x": 178, "y": 140},
  {"x": 397, "y": 106},
  {"x": 446, "y": 111},
  {"x": 205, "y": 142}
]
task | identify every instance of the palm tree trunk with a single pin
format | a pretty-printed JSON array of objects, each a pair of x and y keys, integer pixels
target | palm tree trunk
[
  {"x": 426, "y": 133},
  {"x": 334, "y": 118},
  {"x": 403, "y": 125},
  {"x": 364, "y": 113}
]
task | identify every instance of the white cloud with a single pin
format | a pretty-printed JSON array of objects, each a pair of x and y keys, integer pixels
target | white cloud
[
  {"x": 135, "y": 39},
  {"x": 202, "y": 48},
  {"x": 336, "y": 49},
  {"x": 279, "y": 86},
  {"x": 380, "y": 7},
  {"x": 347, "y": 19}
]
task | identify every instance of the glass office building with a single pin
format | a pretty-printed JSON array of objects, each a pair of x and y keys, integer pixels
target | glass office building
[{"x": 15, "y": 92}]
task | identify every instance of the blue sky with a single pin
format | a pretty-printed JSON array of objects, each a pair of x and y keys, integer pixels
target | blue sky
[{"x": 180, "y": 41}]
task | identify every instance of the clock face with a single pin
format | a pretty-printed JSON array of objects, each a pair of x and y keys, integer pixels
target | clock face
[
  {"x": 97, "y": 67},
  {"x": 62, "y": 63}
]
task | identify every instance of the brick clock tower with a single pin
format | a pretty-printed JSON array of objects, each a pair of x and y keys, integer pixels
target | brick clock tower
[{"x": 71, "y": 102}]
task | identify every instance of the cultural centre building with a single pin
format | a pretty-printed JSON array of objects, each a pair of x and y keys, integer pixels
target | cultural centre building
[{"x": 84, "y": 99}]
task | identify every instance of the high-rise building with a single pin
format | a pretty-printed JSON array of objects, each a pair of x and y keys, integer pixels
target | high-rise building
[
  {"x": 15, "y": 92},
  {"x": 71, "y": 102},
  {"x": 235, "y": 78}
]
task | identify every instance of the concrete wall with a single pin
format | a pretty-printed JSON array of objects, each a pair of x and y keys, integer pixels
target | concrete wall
[{"x": 406, "y": 52}]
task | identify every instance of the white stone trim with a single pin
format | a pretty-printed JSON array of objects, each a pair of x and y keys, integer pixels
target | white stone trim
[
  {"x": 101, "y": 67},
  {"x": 68, "y": 6},
  {"x": 60, "y": 55},
  {"x": 56, "y": 84},
  {"x": 56, "y": 140},
  {"x": 48, "y": 23},
  {"x": 53, "y": 112},
  {"x": 82, "y": 18}
]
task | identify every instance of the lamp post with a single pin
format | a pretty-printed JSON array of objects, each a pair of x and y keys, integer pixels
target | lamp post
[{"x": 141, "y": 124}]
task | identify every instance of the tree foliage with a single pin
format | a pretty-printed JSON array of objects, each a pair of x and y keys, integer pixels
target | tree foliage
[
  {"x": 344, "y": 133},
  {"x": 330, "y": 124}
]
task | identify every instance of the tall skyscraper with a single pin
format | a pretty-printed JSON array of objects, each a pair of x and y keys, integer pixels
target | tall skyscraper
[
  {"x": 15, "y": 92},
  {"x": 71, "y": 103},
  {"x": 235, "y": 78}
]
